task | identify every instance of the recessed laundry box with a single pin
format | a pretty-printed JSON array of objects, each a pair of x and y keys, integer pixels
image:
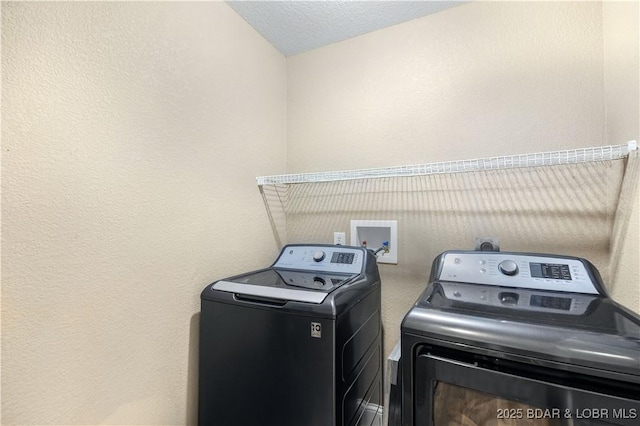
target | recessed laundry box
[{"x": 297, "y": 343}]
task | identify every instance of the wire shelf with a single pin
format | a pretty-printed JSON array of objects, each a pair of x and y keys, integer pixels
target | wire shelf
[{"x": 550, "y": 158}]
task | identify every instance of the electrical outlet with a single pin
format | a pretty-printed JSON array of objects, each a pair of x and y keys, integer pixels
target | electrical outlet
[{"x": 339, "y": 238}]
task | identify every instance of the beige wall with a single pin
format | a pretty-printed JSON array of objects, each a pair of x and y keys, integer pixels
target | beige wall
[
  {"x": 132, "y": 135},
  {"x": 621, "y": 41},
  {"x": 621, "y": 37},
  {"x": 478, "y": 80}
]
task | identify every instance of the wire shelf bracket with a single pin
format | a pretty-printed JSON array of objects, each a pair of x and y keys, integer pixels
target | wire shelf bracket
[{"x": 549, "y": 158}]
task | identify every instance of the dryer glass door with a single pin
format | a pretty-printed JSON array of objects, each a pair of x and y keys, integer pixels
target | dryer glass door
[{"x": 451, "y": 392}]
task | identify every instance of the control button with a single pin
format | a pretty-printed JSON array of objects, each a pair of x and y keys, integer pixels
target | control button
[
  {"x": 482, "y": 262},
  {"x": 508, "y": 298},
  {"x": 482, "y": 270},
  {"x": 318, "y": 256},
  {"x": 318, "y": 282},
  {"x": 508, "y": 267}
]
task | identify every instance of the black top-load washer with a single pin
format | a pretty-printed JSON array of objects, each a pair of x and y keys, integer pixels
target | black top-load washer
[
  {"x": 518, "y": 338},
  {"x": 297, "y": 343}
]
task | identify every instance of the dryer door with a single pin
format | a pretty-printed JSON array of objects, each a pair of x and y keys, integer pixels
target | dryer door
[{"x": 500, "y": 392}]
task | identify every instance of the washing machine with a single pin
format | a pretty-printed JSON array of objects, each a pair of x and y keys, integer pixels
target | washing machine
[
  {"x": 296, "y": 343},
  {"x": 518, "y": 338}
]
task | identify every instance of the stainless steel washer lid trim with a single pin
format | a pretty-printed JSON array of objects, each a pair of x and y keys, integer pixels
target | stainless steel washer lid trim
[{"x": 271, "y": 292}]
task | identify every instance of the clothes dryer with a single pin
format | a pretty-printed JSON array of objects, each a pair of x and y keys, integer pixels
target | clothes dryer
[{"x": 518, "y": 338}]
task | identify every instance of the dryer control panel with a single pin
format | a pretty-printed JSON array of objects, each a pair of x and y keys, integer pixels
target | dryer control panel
[
  {"x": 519, "y": 270},
  {"x": 335, "y": 259}
]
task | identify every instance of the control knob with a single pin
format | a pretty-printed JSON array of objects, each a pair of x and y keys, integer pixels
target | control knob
[
  {"x": 508, "y": 298},
  {"x": 318, "y": 256},
  {"x": 508, "y": 267}
]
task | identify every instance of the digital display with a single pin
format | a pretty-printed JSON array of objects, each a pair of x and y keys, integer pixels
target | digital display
[
  {"x": 339, "y": 257},
  {"x": 550, "y": 271},
  {"x": 562, "y": 303}
]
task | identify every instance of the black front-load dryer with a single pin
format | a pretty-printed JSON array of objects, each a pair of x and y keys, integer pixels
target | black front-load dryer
[
  {"x": 504, "y": 338},
  {"x": 297, "y": 343}
]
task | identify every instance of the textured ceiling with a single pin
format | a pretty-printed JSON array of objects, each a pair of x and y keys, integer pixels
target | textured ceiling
[{"x": 298, "y": 26}]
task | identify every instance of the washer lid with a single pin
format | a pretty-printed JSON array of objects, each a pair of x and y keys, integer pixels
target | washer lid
[{"x": 299, "y": 286}]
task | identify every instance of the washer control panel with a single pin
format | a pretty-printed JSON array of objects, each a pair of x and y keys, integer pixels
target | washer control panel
[
  {"x": 338, "y": 259},
  {"x": 519, "y": 270}
]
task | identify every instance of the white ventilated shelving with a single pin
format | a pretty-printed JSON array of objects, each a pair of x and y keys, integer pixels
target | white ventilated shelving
[{"x": 549, "y": 158}]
